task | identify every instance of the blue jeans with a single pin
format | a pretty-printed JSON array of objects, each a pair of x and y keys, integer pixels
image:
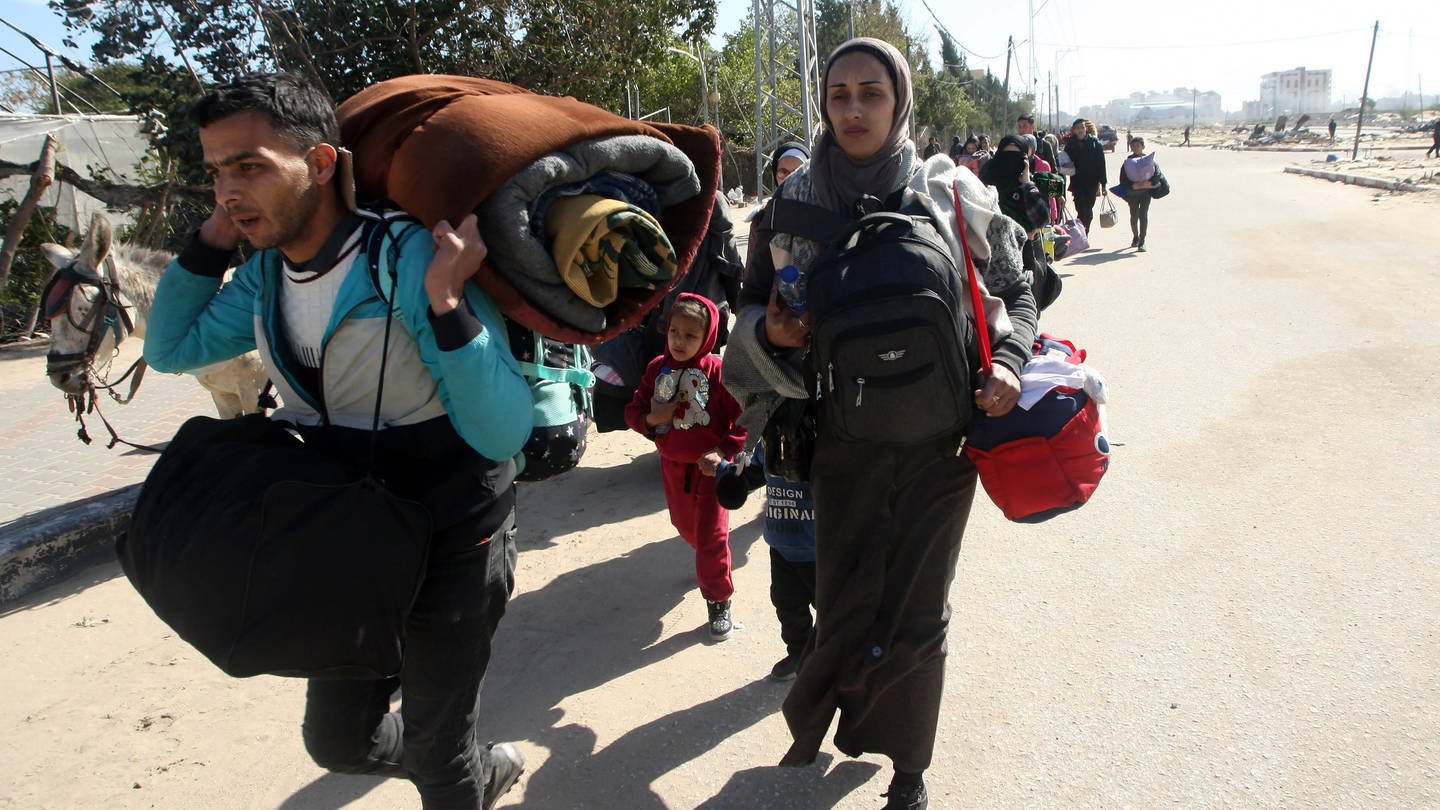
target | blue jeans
[{"x": 432, "y": 740}]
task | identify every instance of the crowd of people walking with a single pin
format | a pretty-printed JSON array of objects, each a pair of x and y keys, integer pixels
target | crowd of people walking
[{"x": 866, "y": 545}]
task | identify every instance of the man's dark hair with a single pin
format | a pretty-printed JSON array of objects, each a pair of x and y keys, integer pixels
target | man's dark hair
[
  {"x": 1025, "y": 117},
  {"x": 296, "y": 108}
]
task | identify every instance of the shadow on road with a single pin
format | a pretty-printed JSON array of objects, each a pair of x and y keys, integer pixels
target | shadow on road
[
  {"x": 1090, "y": 259},
  {"x": 801, "y": 788},
  {"x": 74, "y": 582},
  {"x": 331, "y": 791},
  {"x": 587, "y": 498}
]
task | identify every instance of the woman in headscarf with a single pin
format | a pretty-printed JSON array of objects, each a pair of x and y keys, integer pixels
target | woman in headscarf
[
  {"x": 788, "y": 157},
  {"x": 888, "y": 518},
  {"x": 1009, "y": 173}
]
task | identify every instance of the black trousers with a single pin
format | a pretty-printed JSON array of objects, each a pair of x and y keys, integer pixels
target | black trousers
[
  {"x": 432, "y": 739},
  {"x": 1085, "y": 193},
  {"x": 1139, "y": 213},
  {"x": 792, "y": 592}
]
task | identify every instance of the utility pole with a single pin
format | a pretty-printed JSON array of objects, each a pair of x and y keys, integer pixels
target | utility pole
[
  {"x": 1365, "y": 93},
  {"x": 1050, "y": 84},
  {"x": 1009, "y": 51},
  {"x": 1194, "y": 93},
  {"x": 786, "y": 64},
  {"x": 1034, "y": 69}
]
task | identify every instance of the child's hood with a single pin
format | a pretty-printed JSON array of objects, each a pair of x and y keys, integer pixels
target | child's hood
[{"x": 712, "y": 328}]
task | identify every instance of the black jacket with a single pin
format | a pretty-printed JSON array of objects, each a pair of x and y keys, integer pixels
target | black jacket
[{"x": 1089, "y": 159}]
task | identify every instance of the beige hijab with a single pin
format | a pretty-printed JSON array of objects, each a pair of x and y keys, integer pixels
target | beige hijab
[{"x": 840, "y": 182}]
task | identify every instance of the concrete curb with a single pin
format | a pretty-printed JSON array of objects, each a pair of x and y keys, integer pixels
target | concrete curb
[
  {"x": 43, "y": 548},
  {"x": 1360, "y": 180}
]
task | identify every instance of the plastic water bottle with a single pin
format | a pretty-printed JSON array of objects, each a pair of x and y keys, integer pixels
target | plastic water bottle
[
  {"x": 666, "y": 386},
  {"x": 792, "y": 288}
]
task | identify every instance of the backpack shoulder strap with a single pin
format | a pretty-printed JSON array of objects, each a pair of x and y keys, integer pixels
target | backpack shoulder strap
[
  {"x": 803, "y": 219},
  {"x": 384, "y": 230}
]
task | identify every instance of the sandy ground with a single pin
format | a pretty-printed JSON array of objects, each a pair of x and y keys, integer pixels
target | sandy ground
[
  {"x": 1243, "y": 617},
  {"x": 1385, "y": 152}
]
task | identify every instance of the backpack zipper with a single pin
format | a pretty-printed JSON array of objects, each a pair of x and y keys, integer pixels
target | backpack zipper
[{"x": 860, "y": 390}]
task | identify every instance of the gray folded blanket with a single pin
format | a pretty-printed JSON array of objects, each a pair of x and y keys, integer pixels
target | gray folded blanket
[{"x": 525, "y": 259}]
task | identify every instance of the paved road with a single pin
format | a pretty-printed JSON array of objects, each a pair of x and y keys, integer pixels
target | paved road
[
  {"x": 45, "y": 466},
  {"x": 1244, "y": 616}
]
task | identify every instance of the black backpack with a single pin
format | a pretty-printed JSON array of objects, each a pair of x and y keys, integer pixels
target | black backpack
[{"x": 891, "y": 346}]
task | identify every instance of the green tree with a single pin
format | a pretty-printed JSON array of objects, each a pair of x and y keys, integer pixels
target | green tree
[
  {"x": 586, "y": 48},
  {"x": 29, "y": 272},
  {"x": 102, "y": 89},
  {"x": 881, "y": 19}
]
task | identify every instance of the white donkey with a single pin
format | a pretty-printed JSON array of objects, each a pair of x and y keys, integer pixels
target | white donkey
[{"x": 100, "y": 295}]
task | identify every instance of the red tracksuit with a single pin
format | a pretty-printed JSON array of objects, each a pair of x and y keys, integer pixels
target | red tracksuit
[{"x": 704, "y": 422}]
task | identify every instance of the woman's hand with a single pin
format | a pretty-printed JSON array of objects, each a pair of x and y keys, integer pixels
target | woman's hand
[
  {"x": 458, "y": 254},
  {"x": 1000, "y": 391},
  {"x": 783, "y": 328}
]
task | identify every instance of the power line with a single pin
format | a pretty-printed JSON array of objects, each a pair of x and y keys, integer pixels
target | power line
[
  {"x": 952, "y": 37},
  {"x": 64, "y": 60},
  {"x": 59, "y": 85}
]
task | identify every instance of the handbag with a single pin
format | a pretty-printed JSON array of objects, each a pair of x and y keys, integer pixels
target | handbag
[
  {"x": 271, "y": 557},
  {"x": 1046, "y": 455},
  {"x": 1045, "y": 283},
  {"x": 1075, "y": 229},
  {"x": 1108, "y": 217}
]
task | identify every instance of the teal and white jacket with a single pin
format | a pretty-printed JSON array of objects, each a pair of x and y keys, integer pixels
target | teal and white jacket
[{"x": 458, "y": 365}]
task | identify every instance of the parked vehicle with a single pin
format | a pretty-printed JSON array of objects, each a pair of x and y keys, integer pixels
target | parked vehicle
[{"x": 1108, "y": 138}]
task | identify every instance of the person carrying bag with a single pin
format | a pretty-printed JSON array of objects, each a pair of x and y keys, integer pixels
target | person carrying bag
[{"x": 403, "y": 389}]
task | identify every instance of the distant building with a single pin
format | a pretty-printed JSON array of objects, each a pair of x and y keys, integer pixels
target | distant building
[
  {"x": 1171, "y": 108},
  {"x": 1292, "y": 92}
]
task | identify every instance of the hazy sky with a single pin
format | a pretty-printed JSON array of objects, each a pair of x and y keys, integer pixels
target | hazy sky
[{"x": 1106, "y": 50}]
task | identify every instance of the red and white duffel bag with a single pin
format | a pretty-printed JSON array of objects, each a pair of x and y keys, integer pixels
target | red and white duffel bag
[{"x": 1046, "y": 455}]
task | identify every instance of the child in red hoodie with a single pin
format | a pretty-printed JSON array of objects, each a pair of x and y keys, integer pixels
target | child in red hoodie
[{"x": 684, "y": 408}]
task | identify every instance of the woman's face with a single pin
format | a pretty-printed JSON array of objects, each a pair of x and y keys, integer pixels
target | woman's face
[
  {"x": 970, "y": 147},
  {"x": 1078, "y": 130},
  {"x": 784, "y": 166},
  {"x": 860, "y": 104}
]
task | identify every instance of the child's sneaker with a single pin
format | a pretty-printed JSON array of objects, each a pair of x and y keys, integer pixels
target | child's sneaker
[
  {"x": 720, "y": 621},
  {"x": 785, "y": 668}
]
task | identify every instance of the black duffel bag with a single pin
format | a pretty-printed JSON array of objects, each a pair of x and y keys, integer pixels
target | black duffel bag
[{"x": 272, "y": 558}]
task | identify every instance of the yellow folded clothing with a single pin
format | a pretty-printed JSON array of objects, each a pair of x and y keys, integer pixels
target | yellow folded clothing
[{"x": 601, "y": 244}]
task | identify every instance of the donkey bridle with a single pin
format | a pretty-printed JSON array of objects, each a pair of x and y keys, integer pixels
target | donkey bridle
[{"x": 107, "y": 313}]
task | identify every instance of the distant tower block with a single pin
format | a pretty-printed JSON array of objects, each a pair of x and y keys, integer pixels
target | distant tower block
[{"x": 787, "y": 79}]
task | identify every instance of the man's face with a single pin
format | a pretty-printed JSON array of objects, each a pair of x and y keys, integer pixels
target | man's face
[
  {"x": 265, "y": 183},
  {"x": 1025, "y": 126}
]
